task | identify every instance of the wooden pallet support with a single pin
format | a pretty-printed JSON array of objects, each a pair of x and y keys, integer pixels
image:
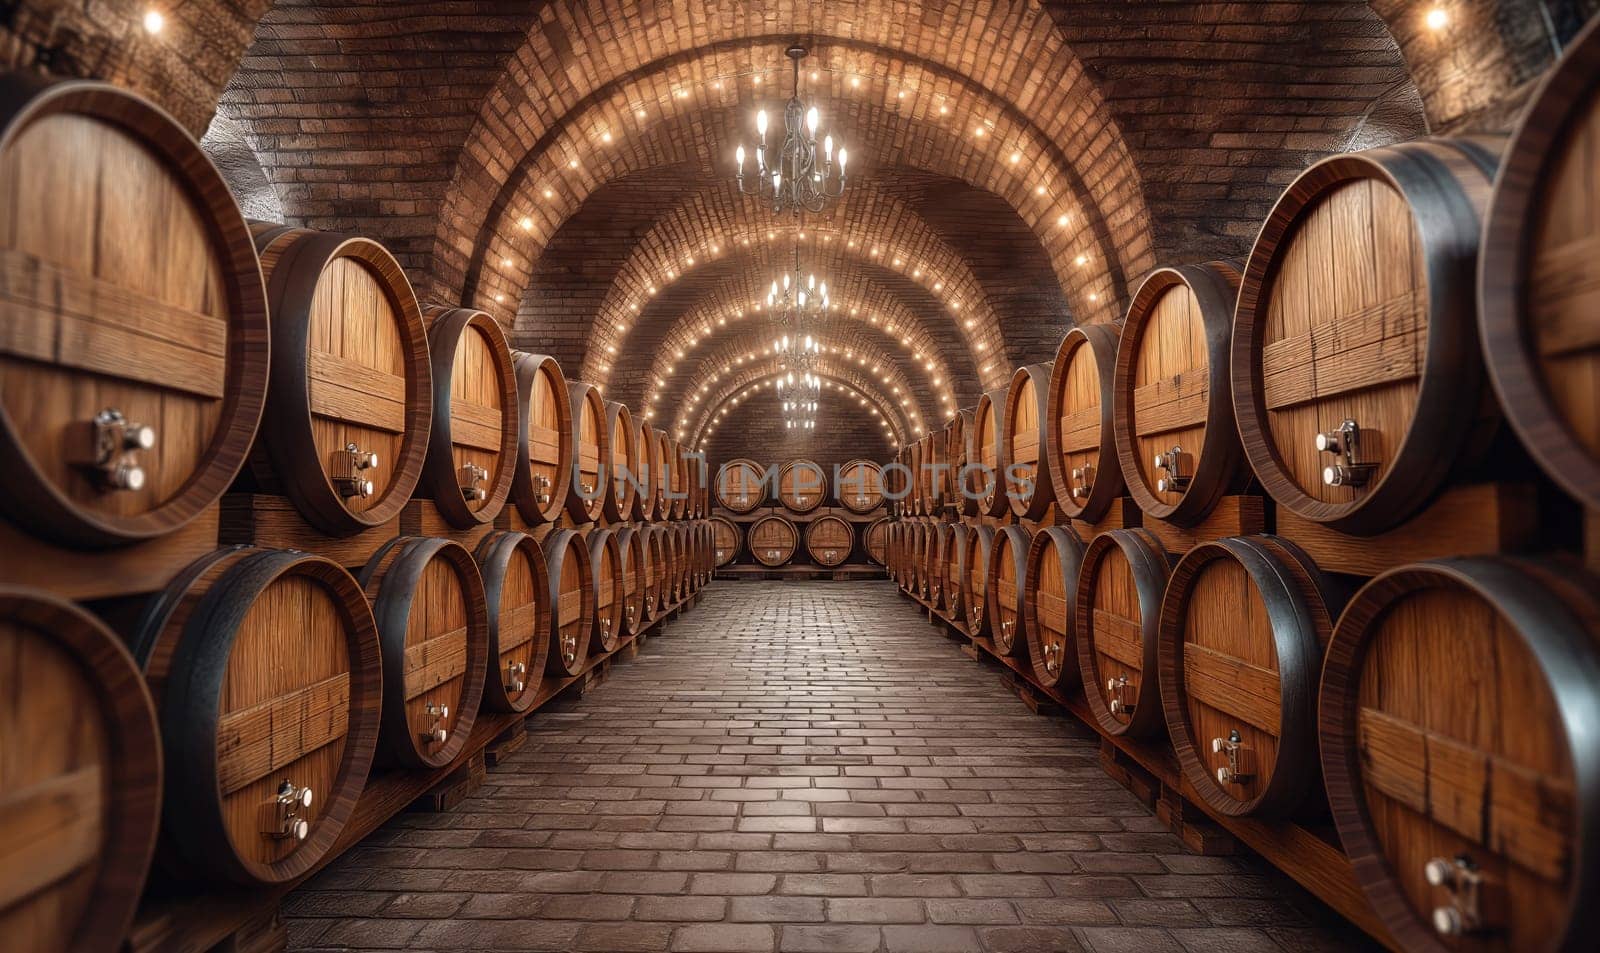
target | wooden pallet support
[
  {"x": 1035, "y": 700},
  {"x": 1193, "y": 826},
  {"x": 459, "y": 785},
  {"x": 97, "y": 574},
  {"x": 257, "y": 519},
  {"x": 506, "y": 744},
  {"x": 1127, "y": 772}
]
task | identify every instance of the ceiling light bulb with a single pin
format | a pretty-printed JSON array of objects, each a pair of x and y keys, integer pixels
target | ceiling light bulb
[{"x": 154, "y": 22}]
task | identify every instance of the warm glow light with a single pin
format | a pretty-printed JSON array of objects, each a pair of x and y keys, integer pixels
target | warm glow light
[
  {"x": 1438, "y": 18},
  {"x": 526, "y": 223},
  {"x": 154, "y": 22}
]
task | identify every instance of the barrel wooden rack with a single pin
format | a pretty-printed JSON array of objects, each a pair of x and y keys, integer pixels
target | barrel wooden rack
[
  {"x": 1309, "y": 853},
  {"x": 202, "y": 919}
]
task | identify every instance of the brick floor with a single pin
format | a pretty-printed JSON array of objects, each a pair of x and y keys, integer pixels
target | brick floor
[{"x": 801, "y": 766}]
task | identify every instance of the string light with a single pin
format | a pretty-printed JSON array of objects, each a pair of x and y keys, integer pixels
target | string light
[{"x": 154, "y": 22}]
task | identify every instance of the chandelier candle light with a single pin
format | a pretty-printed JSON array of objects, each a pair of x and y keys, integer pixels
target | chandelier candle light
[{"x": 795, "y": 178}]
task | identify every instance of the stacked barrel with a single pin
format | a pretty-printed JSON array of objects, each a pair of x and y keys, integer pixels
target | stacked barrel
[
  {"x": 799, "y": 517},
  {"x": 274, "y": 531},
  {"x": 1274, "y": 538}
]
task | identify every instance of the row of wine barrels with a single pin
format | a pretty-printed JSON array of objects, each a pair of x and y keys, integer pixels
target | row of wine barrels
[
  {"x": 472, "y": 448},
  {"x": 1452, "y": 703},
  {"x": 742, "y": 485}
]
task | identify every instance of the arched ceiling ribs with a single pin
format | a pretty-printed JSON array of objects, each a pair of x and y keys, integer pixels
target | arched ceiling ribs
[
  {"x": 870, "y": 229},
  {"x": 761, "y": 375},
  {"x": 872, "y": 362},
  {"x": 943, "y": 107}
]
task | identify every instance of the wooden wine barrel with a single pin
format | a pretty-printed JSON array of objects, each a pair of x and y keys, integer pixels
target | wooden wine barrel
[
  {"x": 655, "y": 554},
  {"x": 741, "y": 485},
  {"x": 874, "y": 539},
  {"x": 859, "y": 486},
  {"x": 934, "y": 474},
  {"x": 939, "y": 538},
  {"x": 986, "y": 480},
  {"x": 83, "y": 795},
  {"x": 829, "y": 540},
  {"x": 1028, "y": 487},
  {"x": 350, "y": 400},
  {"x": 1176, "y": 441},
  {"x": 917, "y": 485},
  {"x": 802, "y": 485},
  {"x": 980, "y": 545},
  {"x": 1005, "y": 579},
  {"x": 1051, "y": 584},
  {"x": 647, "y": 498},
  {"x": 1355, "y": 331},
  {"x": 516, "y": 586},
  {"x": 635, "y": 577},
  {"x": 688, "y": 539},
  {"x": 1242, "y": 630},
  {"x": 1457, "y": 721},
  {"x": 907, "y": 557},
  {"x": 959, "y": 453},
  {"x": 953, "y": 570},
  {"x": 1080, "y": 436},
  {"x": 610, "y": 596},
  {"x": 591, "y": 441},
  {"x": 1117, "y": 617},
  {"x": 433, "y": 627},
  {"x": 246, "y": 705},
  {"x": 622, "y": 463},
  {"x": 678, "y": 481},
  {"x": 725, "y": 540},
  {"x": 772, "y": 540},
  {"x": 472, "y": 448},
  {"x": 545, "y": 448},
  {"x": 897, "y": 483},
  {"x": 695, "y": 532},
  {"x": 892, "y": 561},
  {"x": 133, "y": 368},
  {"x": 925, "y": 542},
  {"x": 700, "y": 484},
  {"x": 672, "y": 549},
  {"x": 1538, "y": 275},
  {"x": 572, "y": 600}
]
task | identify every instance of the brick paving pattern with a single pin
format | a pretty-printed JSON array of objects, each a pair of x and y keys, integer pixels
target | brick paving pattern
[{"x": 801, "y": 767}]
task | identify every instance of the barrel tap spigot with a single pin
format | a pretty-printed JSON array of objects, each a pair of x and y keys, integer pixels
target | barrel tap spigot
[
  {"x": 1119, "y": 689},
  {"x": 108, "y": 450},
  {"x": 1463, "y": 882},
  {"x": 1175, "y": 464},
  {"x": 288, "y": 809},
  {"x": 1236, "y": 771},
  {"x": 517, "y": 676},
  {"x": 437, "y": 733},
  {"x": 472, "y": 477},
  {"x": 542, "y": 482},
  {"x": 1348, "y": 469},
  {"x": 353, "y": 464},
  {"x": 1052, "y": 657},
  {"x": 569, "y": 648},
  {"x": 1083, "y": 481}
]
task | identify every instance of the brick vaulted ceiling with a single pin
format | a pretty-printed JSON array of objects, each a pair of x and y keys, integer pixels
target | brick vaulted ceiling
[{"x": 1018, "y": 165}]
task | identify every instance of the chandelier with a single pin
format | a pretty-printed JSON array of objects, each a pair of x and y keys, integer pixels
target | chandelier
[
  {"x": 797, "y": 302},
  {"x": 796, "y": 177},
  {"x": 801, "y": 396}
]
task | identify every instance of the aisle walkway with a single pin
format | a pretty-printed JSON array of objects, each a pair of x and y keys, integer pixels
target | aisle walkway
[{"x": 800, "y": 767}]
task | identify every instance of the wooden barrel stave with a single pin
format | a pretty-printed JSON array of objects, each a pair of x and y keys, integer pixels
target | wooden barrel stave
[
  {"x": 647, "y": 496},
  {"x": 954, "y": 570},
  {"x": 1457, "y": 713},
  {"x": 572, "y": 600},
  {"x": 772, "y": 540},
  {"x": 1243, "y": 626},
  {"x": 1177, "y": 445},
  {"x": 1117, "y": 611},
  {"x": 1537, "y": 273},
  {"x": 1029, "y": 489},
  {"x": 829, "y": 540},
  {"x": 741, "y": 485},
  {"x": 622, "y": 463},
  {"x": 874, "y": 539},
  {"x": 544, "y": 443},
  {"x": 1054, "y": 557},
  {"x": 1004, "y": 581},
  {"x": 859, "y": 486},
  {"x": 610, "y": 597},
  {"x": 980, "y": 544},
  {"x": 635, "y": 578},
  {"x": 433, "y": 627},
  {"x": 1377, "y": 331},
  {"x": 1080, "y": 431},
  {"x": 588, "y": 489},
  {"x": 725, "y": 540},
  {"x": 83, "y": 807},
  {"x": 986, "y": 482},
  {"x": 472, "y": 446},
  {"x": 516, "y": 586},
  {"x": 154, "y": 262},
  {"x": 217, "y": 657},
  {"x": 802, "y": 485}
]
